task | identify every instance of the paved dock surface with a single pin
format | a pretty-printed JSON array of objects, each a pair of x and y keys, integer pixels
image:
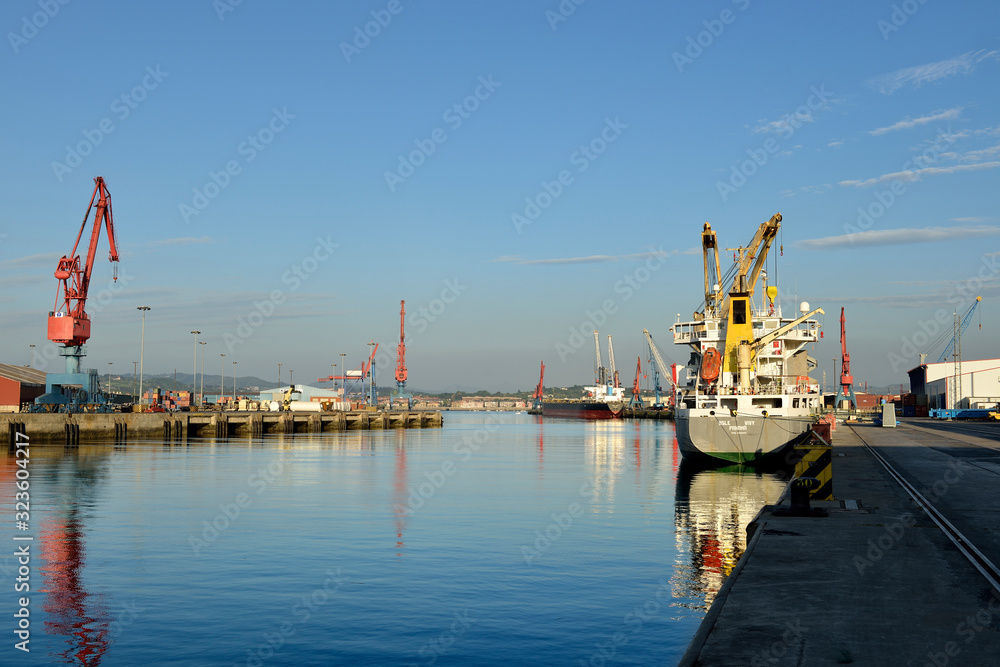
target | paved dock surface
[{"x": 876, "y": 585}]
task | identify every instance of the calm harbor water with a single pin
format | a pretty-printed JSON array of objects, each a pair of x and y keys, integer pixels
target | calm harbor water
[{"x": 498, "y": 539}]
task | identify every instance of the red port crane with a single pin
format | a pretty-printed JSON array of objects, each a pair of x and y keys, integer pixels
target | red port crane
[
  {"x": 401, "y": 349},
  {"x": 536, "y": 403},
  {"x": 400, "y": 392},
  {"x": 636, "y": 398},
  {"x": 846, "y": 391},
  {"x": 69, "y": 324}
]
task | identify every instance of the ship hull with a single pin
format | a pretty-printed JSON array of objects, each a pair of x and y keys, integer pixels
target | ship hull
[
  {"x": 740, "y": 439},
  {"x": 583, "y": 410}
]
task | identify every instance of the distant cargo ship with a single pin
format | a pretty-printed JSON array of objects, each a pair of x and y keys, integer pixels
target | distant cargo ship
[{"x": 604, "y": 400}]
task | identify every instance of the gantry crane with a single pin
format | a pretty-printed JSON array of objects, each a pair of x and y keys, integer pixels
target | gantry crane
[
  {"x": 536, "y": 403},
  {"x": 846, "y": 391},
  {"x": 400, "y": 392},
  {"x": 69, "y": 324}
]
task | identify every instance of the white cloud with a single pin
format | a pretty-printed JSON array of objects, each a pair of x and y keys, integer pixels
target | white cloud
[
  {"x": 931, "y": 72},
  {"x": 917, "y": 174},
  {"x": 981, "y": 154},
  {"x": 898, "y": 237},
  {"x": 975, "y": 218},
  {"x": 785, "y": 125},
  {"x": 44, "y": 259},
  {"x": 907, "y": 123},
  {"x": 835, "y": 144}
]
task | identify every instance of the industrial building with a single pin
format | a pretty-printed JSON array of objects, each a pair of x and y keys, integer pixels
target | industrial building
[
  {"x": 979, "y": 386},
  {"x": 19, "y": 385}
]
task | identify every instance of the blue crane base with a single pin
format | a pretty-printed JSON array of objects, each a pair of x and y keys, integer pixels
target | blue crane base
[
  {"x": 72, "y": 391},
  {"x": 397, "y": 395}
]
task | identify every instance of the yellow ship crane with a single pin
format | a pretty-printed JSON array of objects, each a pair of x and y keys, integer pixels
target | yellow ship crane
[{"x": 751, "y": 260}]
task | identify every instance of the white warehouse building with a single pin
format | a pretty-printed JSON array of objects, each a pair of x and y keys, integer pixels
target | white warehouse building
[{"x": 979, "y": 386}]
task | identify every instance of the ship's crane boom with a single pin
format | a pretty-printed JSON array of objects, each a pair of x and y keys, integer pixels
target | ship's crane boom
[
  {"x": 766, "y": 339},
  {"x": 751, "y": 261}
]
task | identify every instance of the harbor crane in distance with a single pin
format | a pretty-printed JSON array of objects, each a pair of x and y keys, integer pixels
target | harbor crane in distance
[
  {"x": 636, "y": 400},
  {"x": 600, "y": 372},
  {"x": 846, "y": 391},
  {"x": 69, "y": 324},
  {"x": 400, "y": 393},
  {"x": 611, "y": 361},
  {"x": 659, "y": 368},
  {"x": 536, "y": 402},
  {"x": 966, "y": 319}
]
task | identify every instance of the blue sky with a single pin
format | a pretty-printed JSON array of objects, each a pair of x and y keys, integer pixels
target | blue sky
[{"x": 272, "y": 158}]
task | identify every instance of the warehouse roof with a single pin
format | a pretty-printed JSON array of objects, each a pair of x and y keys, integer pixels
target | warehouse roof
[{"x": 22, "y": 374}]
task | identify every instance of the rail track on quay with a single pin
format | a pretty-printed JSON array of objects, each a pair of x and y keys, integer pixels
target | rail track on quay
[{"x": 975, "y": 555}]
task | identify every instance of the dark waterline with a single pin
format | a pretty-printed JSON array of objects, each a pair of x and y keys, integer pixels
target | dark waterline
[{"x": 498, "y": 539}]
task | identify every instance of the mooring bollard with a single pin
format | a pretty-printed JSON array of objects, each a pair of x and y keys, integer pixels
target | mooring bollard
[{"x": 800, "y": 492}]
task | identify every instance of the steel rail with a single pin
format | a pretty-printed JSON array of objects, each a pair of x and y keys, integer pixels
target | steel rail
[{"x": 965, "y": 546}]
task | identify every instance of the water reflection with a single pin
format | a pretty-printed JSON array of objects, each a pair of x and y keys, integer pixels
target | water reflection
[
  {"x": 712, "y": 509},
  {"x": 73, "y": 611}
]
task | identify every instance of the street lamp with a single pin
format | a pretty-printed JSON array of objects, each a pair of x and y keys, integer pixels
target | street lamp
[
  {"x": 135, "y": 369},
  {"x": 194, "y": 371},
  {"x": 31, "y": 354},
  {"x": 222, "y": 382},
  {"x": 343, "y": 369},
  {"x": 279, "y": 375},
  {"x": 142, "y": 346},
  {"x": 109, "y": 380},
  {"x": 201, "y": 392},
  {"x": 234, "y": 380}
]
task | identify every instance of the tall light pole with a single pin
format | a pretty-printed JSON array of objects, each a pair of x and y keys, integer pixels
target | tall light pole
[
  {"x": 222, "y": 382},
  {"x": 279, "y": 375},
  {"x": 109, "y": 380},
  {"x": 343, "y": 369},
  {"x": 291, "y": 379},
  {"x": 234, "y": 380},
  {"x": 31, "y": 354},
  {"x": 142, "y": 346},
  {"x": 201, "y": 393},
  {"x": 194, "y": 371},
  {"x": 135, "y": 369}
]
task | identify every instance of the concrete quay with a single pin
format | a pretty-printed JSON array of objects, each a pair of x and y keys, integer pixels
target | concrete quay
[
  {"x": 71, "y": 429},
  {"x": 876, "y": 582}
]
